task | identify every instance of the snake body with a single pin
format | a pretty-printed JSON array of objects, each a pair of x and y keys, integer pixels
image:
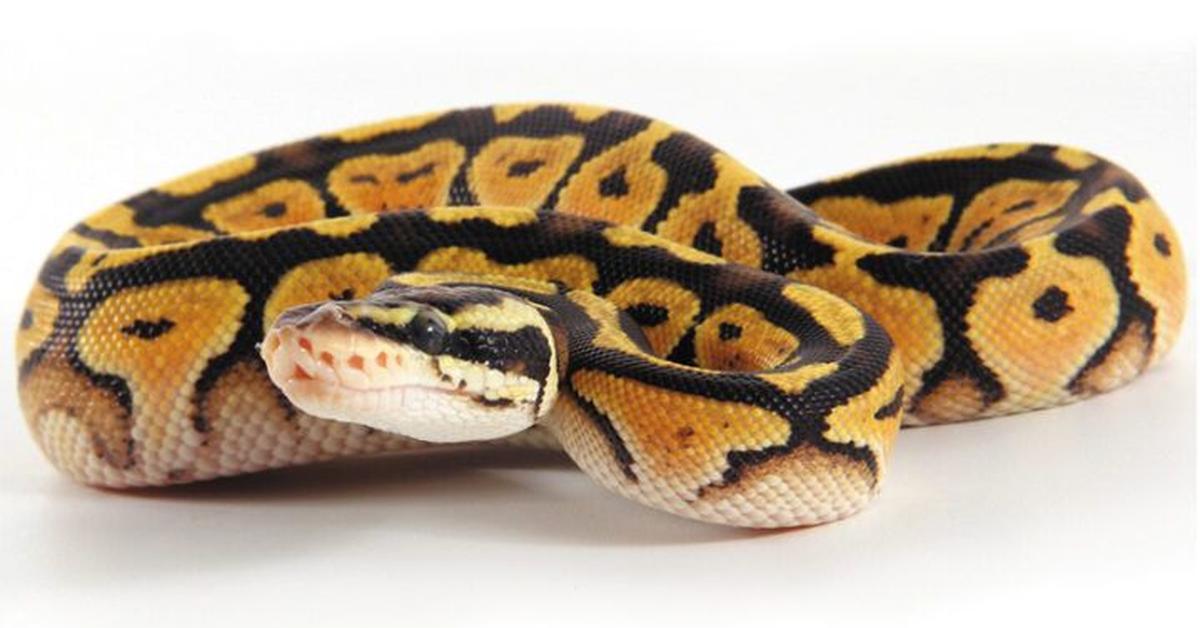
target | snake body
[{"x": 704, "y": 343}]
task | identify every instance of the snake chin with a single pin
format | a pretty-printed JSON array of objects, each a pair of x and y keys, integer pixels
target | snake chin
[{"x": 331, "y": 368}]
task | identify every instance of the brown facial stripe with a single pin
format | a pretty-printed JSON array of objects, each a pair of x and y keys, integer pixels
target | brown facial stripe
[
  {"x": 453, "y": 295},
  {"x": 527, "y": 347}
]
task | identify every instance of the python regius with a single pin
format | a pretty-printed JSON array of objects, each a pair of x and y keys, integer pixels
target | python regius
[{"x": 694, "y": 338}]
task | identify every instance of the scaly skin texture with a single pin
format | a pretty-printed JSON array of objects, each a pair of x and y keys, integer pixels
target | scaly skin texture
[{"x": 1009, "y": 277}]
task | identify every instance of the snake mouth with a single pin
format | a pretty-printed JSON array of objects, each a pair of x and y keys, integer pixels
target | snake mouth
[{"x": 330, "y": 367}]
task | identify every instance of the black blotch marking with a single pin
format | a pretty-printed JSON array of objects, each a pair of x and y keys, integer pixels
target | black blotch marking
[
  {"x": 107, "y": 238},
  {"x": 706, "y": 239},
  {"x": 859, "y": 370},
  {"x": 614, "y": 185},
  {"x": 524, "y": 168},
  {"x": 899, "y": 242},
  {"x": 148, "y": 330},
  {"x": 648, "y": 314},
  {"x": 601, "y": 134},
  {"x": 689, "y": 166},
  {"x": 344, "y": 295},
  {"x": 1052, "y": 305},
  {"x": 201, "y": 424},
  {"x": 684, "y": 351},
  {"x": 1023, "y": 205},
  {"x": 785, "y": 230},
  {"x": 891, "y": 408},
  {"x": 26, "y": 319},
  {"x": 729, "y": 331},
  {"x": 405, "y": 177},
  {"x": 975, "y": 233},
  {"x": 1162, "y": 245},
  {"x": 951, "y": 281},
  {"x": 274, "y": 210},
  {"x": 153, "y": 208},
  {"x": 365, "y": 178}
]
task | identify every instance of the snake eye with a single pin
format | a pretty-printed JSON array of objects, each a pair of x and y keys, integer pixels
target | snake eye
[{"x": 427, "y": 332}]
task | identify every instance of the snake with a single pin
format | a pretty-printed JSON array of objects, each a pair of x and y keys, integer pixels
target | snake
[{"x": 575, "y": 276}]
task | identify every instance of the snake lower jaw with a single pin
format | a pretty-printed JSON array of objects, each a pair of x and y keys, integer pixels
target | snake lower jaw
[{"x": 428, "y": 414}]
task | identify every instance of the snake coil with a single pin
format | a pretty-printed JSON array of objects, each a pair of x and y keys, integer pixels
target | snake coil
[{"x": 720, "y": 349}]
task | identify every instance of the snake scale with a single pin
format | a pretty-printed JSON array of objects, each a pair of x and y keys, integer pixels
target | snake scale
[{"x": 694, "y": 338}]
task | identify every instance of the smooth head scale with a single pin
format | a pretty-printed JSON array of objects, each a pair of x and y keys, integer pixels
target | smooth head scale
[{"x": 438, "y": 363}]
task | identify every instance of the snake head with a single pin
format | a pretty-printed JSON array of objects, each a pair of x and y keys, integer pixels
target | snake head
[{"x": 439, "y": 363}]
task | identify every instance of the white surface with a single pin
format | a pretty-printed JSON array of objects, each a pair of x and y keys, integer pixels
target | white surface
[{"x": 1078, "y": 514}]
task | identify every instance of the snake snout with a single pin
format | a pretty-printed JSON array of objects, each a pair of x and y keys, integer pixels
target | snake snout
[
  {"x": 325, "y": 346},
  {"x": 336, "y": 360}
]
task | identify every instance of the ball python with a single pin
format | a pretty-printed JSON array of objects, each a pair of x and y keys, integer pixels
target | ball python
[{"x": 547, "y": 274}]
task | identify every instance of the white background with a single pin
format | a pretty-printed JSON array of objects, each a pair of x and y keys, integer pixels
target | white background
[{"x": 1077, "y": 514}]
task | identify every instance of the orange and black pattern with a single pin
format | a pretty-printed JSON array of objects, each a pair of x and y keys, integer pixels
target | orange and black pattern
[{"x": 708, "y": 377}]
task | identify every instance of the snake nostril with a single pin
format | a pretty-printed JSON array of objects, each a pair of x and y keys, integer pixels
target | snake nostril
[{"x": 305, "y": 344}]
